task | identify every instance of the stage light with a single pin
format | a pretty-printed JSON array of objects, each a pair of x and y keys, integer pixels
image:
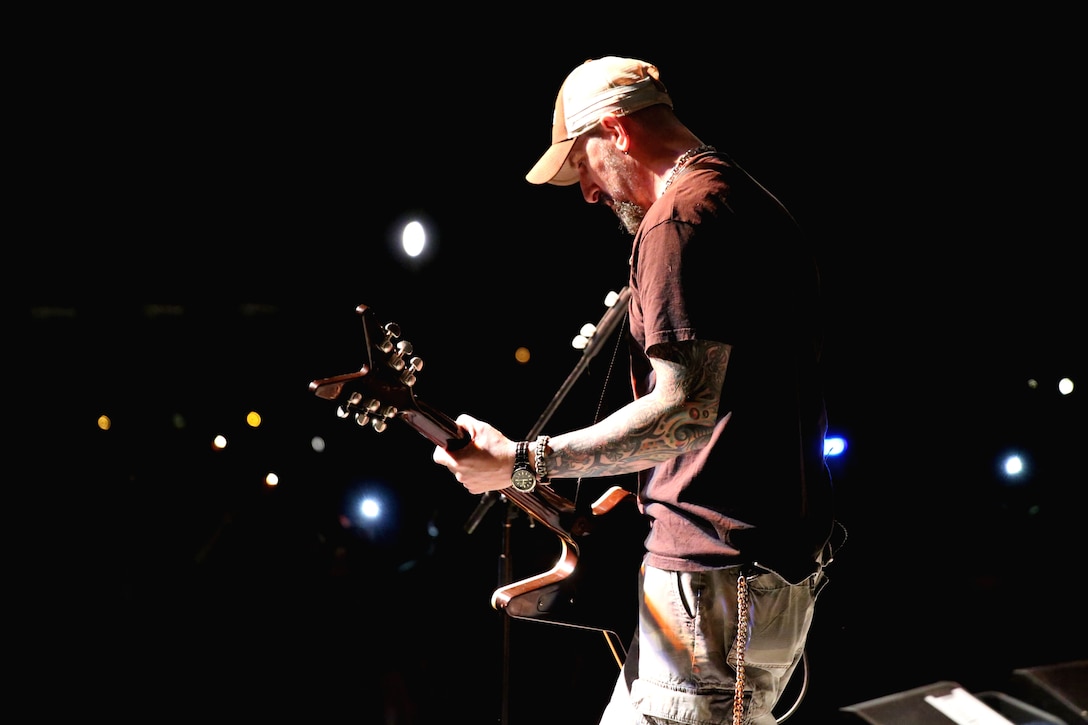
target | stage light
[
  {"x": 834, "y": 446},
  {"x": 370, "y": 509},
  {"x": 1014, "y": 467},
  {"x": 413, "y": 239}
]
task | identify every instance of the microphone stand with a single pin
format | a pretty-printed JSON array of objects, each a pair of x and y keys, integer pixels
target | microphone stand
[{"x": 594, "y": 337}]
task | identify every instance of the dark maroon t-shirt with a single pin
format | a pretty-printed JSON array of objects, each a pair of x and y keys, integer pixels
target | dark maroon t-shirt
[{"x": 718, "y": 258}]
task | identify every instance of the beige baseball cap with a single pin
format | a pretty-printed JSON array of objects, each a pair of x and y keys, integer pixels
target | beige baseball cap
[{"x": 598, "y": 86}]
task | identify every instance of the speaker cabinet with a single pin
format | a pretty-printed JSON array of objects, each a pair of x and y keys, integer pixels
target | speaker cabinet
[
  {"x": 911, "y": 707},
  {"x": 1061, "y": 689}
]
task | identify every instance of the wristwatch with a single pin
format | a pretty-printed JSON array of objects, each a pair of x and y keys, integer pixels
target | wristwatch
[{"x": 523, "y": 478}]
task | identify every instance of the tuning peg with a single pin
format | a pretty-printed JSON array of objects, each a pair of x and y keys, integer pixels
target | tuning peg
[
  {"x": 408, "y": 377},
  {"x": 396, "y": 361},
  {"x": 379, "y": 419},
  {"x": 392, "y": 332},
  {"x": 363, "y": 412},
  {"x": 352, "y": 404},
  {"x": 582, "y": 338}
]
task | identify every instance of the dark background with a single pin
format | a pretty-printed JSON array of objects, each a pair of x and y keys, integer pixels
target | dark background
[{"x": 202, "y": 201}]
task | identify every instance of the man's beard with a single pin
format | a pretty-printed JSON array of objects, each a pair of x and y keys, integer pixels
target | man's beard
[
  {"x": 629, "y": 213},
  {"x": 630, "y": 216}
]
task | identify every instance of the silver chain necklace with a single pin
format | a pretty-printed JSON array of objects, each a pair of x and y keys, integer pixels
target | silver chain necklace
[{"x": 683, "y": 161}]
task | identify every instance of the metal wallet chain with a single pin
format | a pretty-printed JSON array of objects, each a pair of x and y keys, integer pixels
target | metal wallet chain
[{"x": 742, "y": 642}]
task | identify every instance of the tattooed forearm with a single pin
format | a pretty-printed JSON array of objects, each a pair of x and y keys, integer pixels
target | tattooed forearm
[{"x": 678, "y": 416}]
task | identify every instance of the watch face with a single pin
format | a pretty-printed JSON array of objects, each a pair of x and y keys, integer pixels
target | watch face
[{"x": 523, "y": 479}]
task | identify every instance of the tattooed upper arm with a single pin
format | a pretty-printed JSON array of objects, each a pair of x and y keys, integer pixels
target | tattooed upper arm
[
  {"x": 692, "y": 370},
  {"x": 678, "y": 415}
]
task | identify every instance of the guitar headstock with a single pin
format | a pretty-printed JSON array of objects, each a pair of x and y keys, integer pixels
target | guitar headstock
[{"x": 383, "y": 388}]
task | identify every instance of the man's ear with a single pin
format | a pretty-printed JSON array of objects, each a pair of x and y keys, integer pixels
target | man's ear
[{"x": 616, "y": 130}]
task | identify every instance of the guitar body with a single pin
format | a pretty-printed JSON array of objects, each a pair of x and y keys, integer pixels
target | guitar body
[
  {"x": 594, "y": 580},
  {"x": 601, "y": 537}
]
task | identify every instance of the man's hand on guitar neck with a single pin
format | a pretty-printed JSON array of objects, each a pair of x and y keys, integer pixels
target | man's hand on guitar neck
[{"x": 485, "y": 462}]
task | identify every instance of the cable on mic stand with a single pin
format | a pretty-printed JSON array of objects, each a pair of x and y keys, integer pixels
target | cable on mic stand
[{"x": 589, "y": 340}]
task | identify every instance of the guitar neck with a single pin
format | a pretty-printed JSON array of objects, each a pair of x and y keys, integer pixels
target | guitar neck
[
  {"x": 436, "y": 426},
  {"x": 543, "y": 503},
  {"x": 546, "y": 506}
]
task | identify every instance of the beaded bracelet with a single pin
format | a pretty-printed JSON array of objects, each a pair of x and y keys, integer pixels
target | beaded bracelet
[{"x": 541, "y": 462}]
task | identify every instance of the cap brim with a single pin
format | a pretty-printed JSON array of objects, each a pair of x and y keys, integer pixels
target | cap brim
[{"x": 552, "y": 167}]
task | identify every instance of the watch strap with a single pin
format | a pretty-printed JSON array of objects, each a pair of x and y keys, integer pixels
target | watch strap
[{"x": 523, "y": 478}]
